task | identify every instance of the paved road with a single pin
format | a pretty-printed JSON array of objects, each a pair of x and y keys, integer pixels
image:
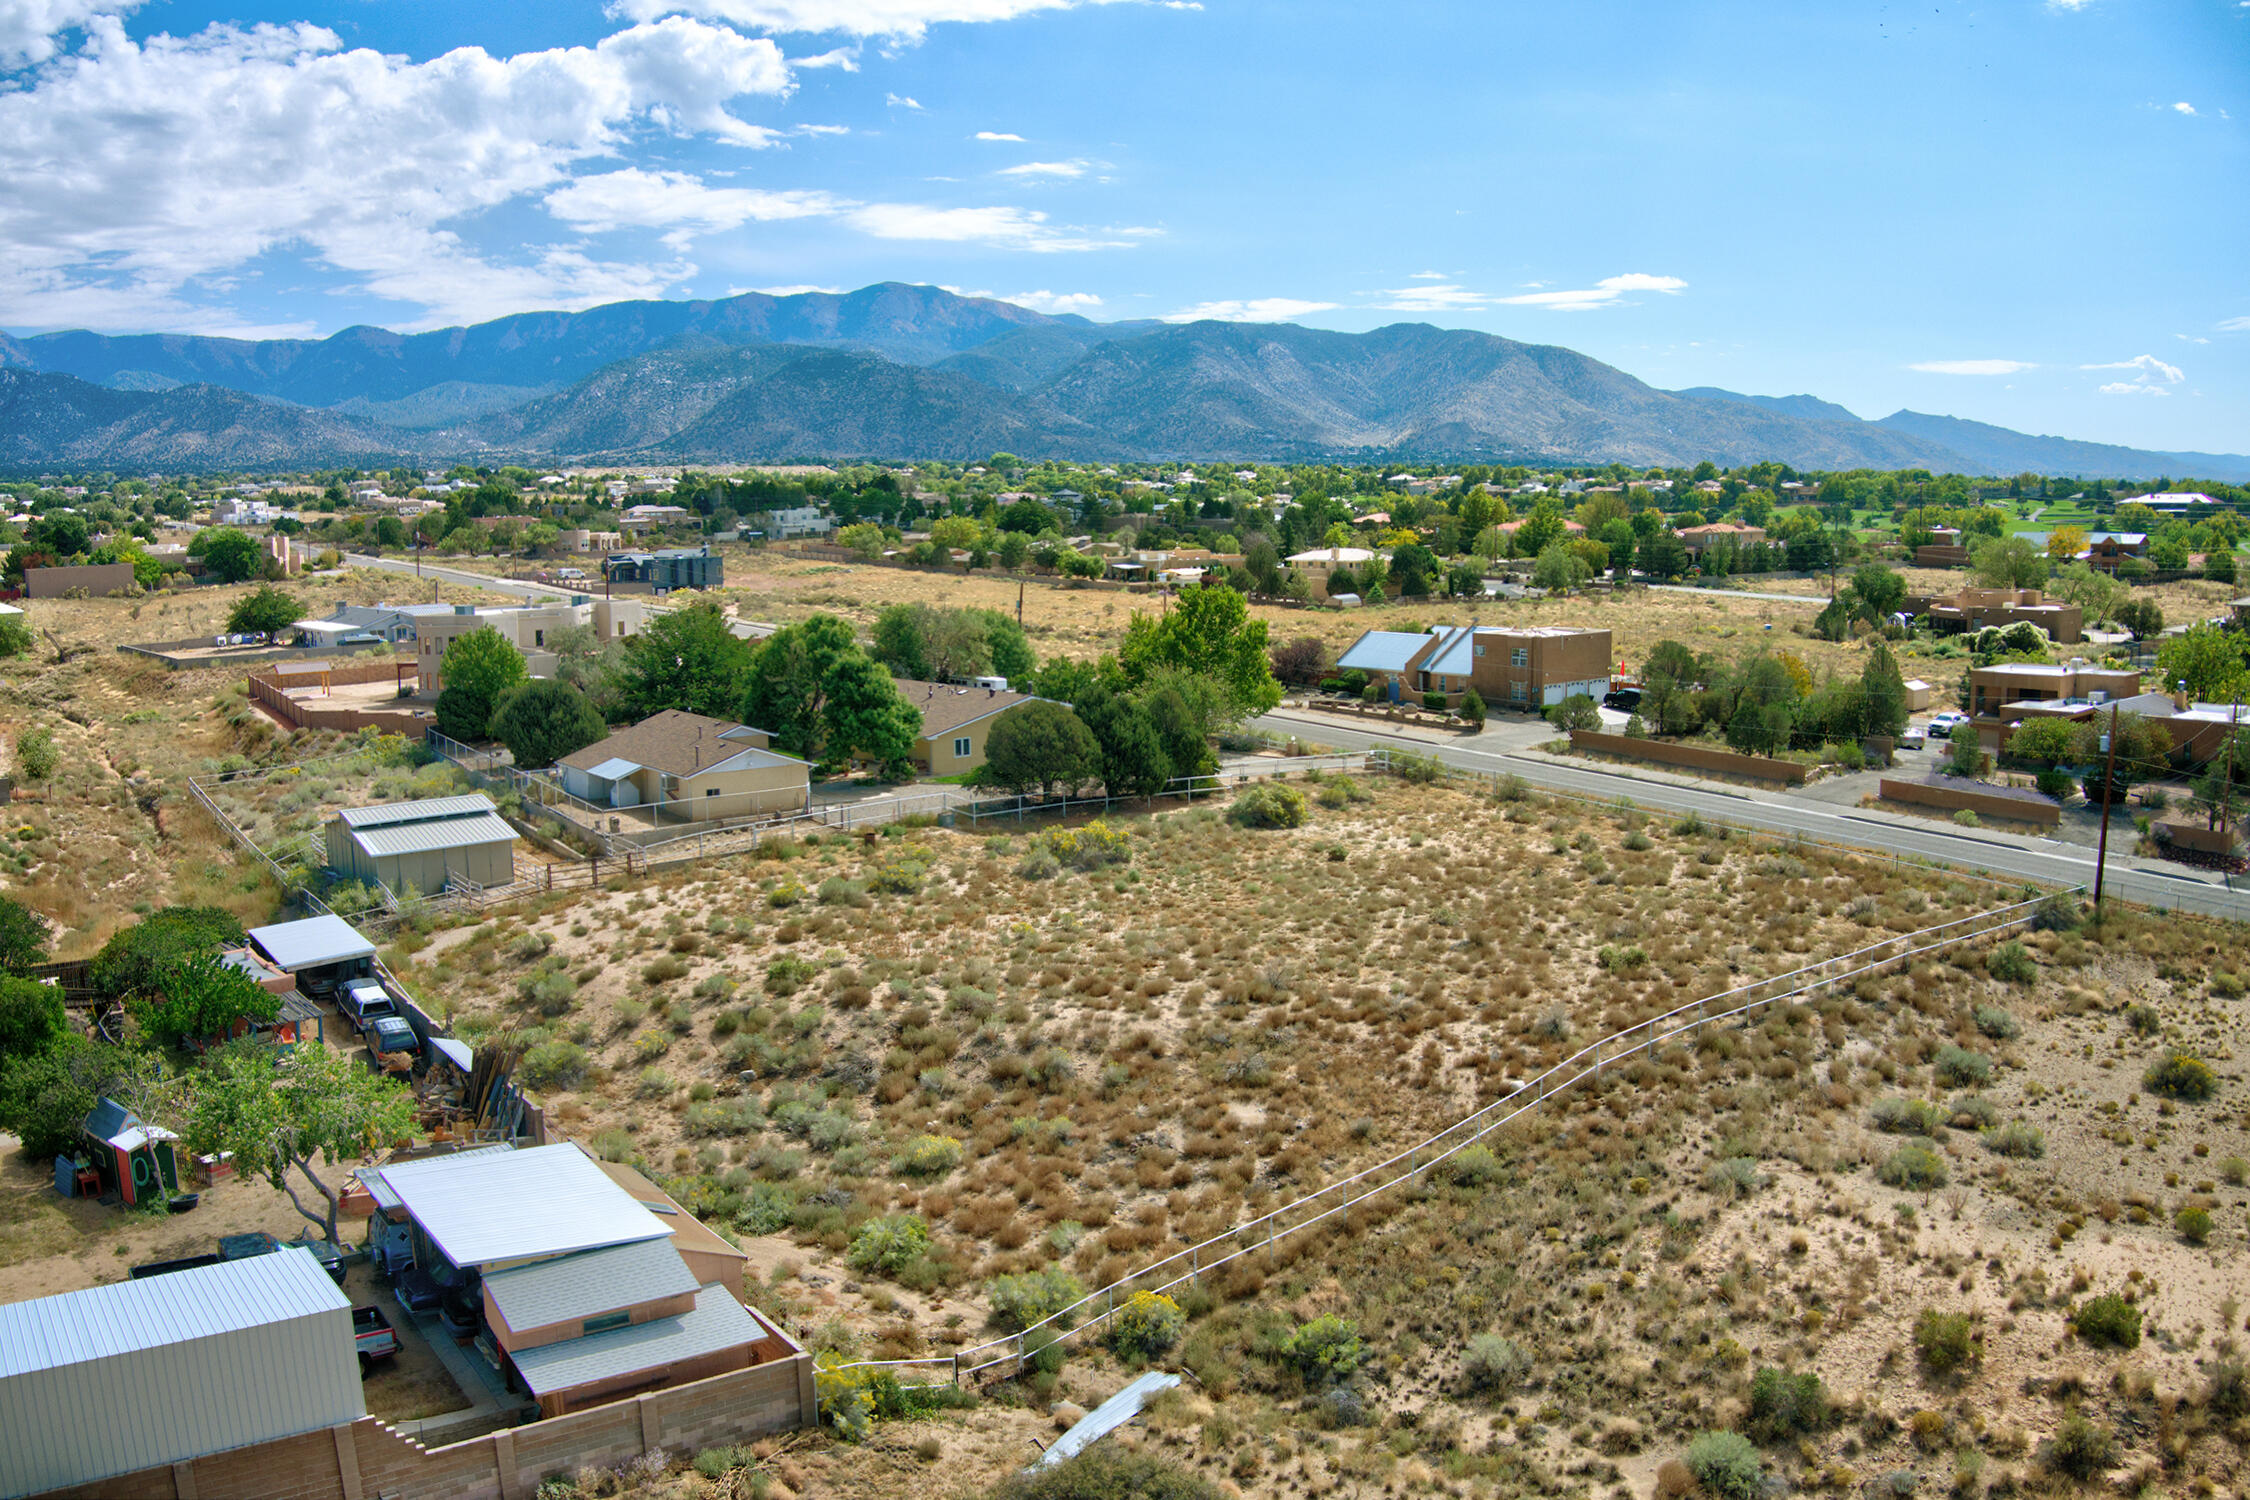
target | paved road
[
  {"x": 1505, "y": 747},
  {"x": 475, "y": 580},
  {"x": 1816, "y": 600}
]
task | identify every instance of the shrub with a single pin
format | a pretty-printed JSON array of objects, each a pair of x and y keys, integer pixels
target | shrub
[
  {"x": 2054, "y": 782},
  {"x": 1268, "y": 805},
  {"x": 1727, "y": 1465},
  {"x": 1958, "y": 1067},
  {"x": 889, "y": 1244},
  {"x": 2178, "y": 1075},
  {"x": 785, "y": 895},
  {"x": 1039, "y": 864},
  {"x": 2194, "y": 1225},
  {"x": 1907, "y": 1116},
  {"x": 787, "y": 975},
  {"x": 2108, "y": 1321},
  {"x": 1030, "y": 1297},
  {"x": 554, "y": 1065},
  {"x": 1967, "y": 818},
  {"x": 1107, "y": 1471},
  {"x": 1493, "y": 1364},
  {"x": 1946, "y": 1342},
  {"x": 1996, "y": 1023},
  {"x": 1782, "y": 1404},
  {"x": 1088, "y": 848},
  {"x": 1913, "y": 1166},
  {"x": 1735, "y": 1176},
  {"x": 2080, "y": 1449},
  {"x": 1473, "y": 1166},
  {"x": 2234, "y": 1170},
  {"x": 1434, "y": 702},
  {"x": 2058, "y": 913},
  {"x": 2017, "y": 1138},
  {"x": 1324, "y": 1351},
  {"x": 1621, "y": 960},
  {"x": 2143, "y": 1019},
  {"x": 1146, "y": 1326},
  {"x": 2228, "y": 1394},
  {"x": 930, "y": 1156},
  {"x": 2010, "y": 963}
]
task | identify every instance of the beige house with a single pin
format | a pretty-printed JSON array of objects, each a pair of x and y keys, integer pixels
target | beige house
[
  {"x": 1316, "y": 566},
  {"x": 687, "y": 768},
  {"x": 527, "y": 627},
  {"x": 956, "y": 721}
]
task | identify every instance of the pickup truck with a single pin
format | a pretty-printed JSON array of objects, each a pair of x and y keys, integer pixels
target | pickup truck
[
  {"x": 364, "y": 1002},
  {"x": 231, "y": 1247},
  {"x": 393, "y": 1044},
  {"x": 373, "y": 1334}
]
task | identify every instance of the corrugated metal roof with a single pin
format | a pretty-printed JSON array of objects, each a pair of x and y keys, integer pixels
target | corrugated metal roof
[
  {"x": 718, "y": 1322},
  {"x": 312, "y": 942},
  {"x": 371, "y": 1178},
  {"x": 544, "y": 1201},
  {"x": 48, "y": 1333},
  {"x": 1383, "y": 650},
  {"x": 1455, "y": 655},
  {"x": 573, "y": 1287},
  {"x": 421, "y": 838},
  {"x": 457, "y": 1053},
  {"x": 613, "y": 768},
  {"x": 415, "y": 812}
]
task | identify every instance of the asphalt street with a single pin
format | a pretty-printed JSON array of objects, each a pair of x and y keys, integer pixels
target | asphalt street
[{"x": 1505, "y": 747}]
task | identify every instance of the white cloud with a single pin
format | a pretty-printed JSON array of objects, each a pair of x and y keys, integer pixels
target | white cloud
[
  {"x": 1057, "y": 302},
  {"x": 1440, "y": 296},
  {"x": 1972, "y": 366},
  {"x": 1426, "y": 276},
  {"x": 1007, "y": 228},
  {"x": 676, "y": 202},
  {"x": 1075, "y": 167},
  {"x": 798, "y": 291},
  {"x": 139, "y": 173},
  {"x": 900, "y": 101},
  {"x": 822, "y": 130},
  {"x": 846, "y": 58},
  {"x": 2236, "y": 325},
  {"x": 2068, "y": 5},
  {"x": 996, "y": 135},
  {"x": 2184, "y": 107},
  {"x": 906, "y": 20},
  {"x": 2150, "y": 376},
  {"x": 1610, "y": 291},
  {"x": 1254, "y": 310},
  {"x": 28, "y": 28}
]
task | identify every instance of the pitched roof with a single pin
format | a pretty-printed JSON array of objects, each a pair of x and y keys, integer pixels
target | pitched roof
[
  {"x": 71, "y": 1328},
  {"x": 311, "y": 942},
  {"x": 1383, "y": 650},
  {"x": 948, "y": 706},
  {"x": 718, "y": 1322},
  {"x": 437, "y": 833},
  {"x": 416, "y": 812},
  {"x": 547, "y": 1200},
  {"x": 677, "y": 743},
  {"x": 571, "y": 1288}
]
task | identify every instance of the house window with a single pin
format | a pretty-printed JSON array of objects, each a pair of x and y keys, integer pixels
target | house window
[
  {"x": 962, "y": 749},
  {"x": 1515, "y": 691},
  {"x": 1520, "y": 657},
  {"x": 710, "y": 791},
  {"x": 1480, "y": 650},
  {"x": 606, "y": 1322},
  {"x": 539, "y": 638}
]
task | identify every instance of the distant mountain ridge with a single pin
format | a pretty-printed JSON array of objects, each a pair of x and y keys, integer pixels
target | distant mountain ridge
[{"x": 899, "y": 371}]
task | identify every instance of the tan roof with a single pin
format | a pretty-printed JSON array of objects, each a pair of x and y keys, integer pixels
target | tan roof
[
  {"x": 675, "y": 742},
  {"x": 947, "y": 706}
]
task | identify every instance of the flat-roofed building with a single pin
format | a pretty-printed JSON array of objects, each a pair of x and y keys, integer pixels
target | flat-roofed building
[{"x": 1526, "y": 668}]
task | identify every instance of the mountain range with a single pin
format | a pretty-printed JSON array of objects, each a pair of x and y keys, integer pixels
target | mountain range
[{"x": 898, "y": 371}]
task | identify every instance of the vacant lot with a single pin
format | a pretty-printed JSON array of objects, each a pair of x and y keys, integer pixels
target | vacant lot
[{"x": 1075, "y": 1072}]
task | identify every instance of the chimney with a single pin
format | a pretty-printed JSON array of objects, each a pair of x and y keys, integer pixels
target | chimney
[{"x": 992, "y": 692}]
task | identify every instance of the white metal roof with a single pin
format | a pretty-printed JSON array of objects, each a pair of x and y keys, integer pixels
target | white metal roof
[
  {"x": 415, "y": 812},
  {"x": 574, "y": 1287},
  {"x": 548, "y": 1200},
  {"x": 613, "y": 768},
  {"x": 71, "y": 1328},
  {"x": 455, "y": 1052},
  {"x": 718, "y": 1322},
  {"x": 312, "y": 942},
  {"x": 371, "y": 1178},
  {"x": 441, "y": 833},
  {"x": 1383, "y": 650}
]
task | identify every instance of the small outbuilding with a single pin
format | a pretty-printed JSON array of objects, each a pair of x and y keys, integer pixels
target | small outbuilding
[
  {"x": 135, "y": 1376},
  {"x": 319, "y": 954},
  {"x": 427, "y": 845},
  {"x": 127, "y": 1156}
]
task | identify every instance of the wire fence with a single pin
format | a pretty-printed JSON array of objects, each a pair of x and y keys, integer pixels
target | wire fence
[{"x": 1643, "y": 1039}]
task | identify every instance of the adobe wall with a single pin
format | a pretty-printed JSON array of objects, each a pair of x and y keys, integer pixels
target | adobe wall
[
  {"x": 1696, "y": 757},
  {"x": 1984, "y": 804}
]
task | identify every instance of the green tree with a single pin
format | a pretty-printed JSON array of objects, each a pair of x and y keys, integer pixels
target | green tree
[
  {"x": 1885, "y": 687},
  {"x": 31, "y": 1016},
  {"x": 786, "y": 690},
  {"x": 23, "y": 936},
  {"x": 265, "y": 611},
  {"x": 2009, "y": 563},
  {"x": 2140, "y": 747},
  {"x": 2096, "y": 594},
  {"x": 46, "y": 1095},
  {"x": 2044, "y": 742},
  {"x": 1878, "y": 591},
  {"x": 2139, "y": 618},
  {"x": 200, "y": 998},
  {"x": 1007, "y": 647},
  {"x": 1133, "y": 760},
  {"x": 686, "y": 659},
  {"x": 1664, "y": 555},
  {"x": 1208, "y": 632},
  {"x": 1263, "y": 561},
  {"x": 229, "y": 555},
  {"x": 292, "y": 1116},
  {"x": 1412, "y": 567},
  {"x": 37, "y": 759},
  {"x": 1041, "y": 746},
  {"x": 1575, "y": 712},
  {"x": 1541, "y": 529},
  {"x": 544, "y": 720},
  {"x": 2218, "y": 797},
  {"x": 1559, "y": 569},
  {"x": 1181, "y": 708},
  {"x": 132, "y": 964},
  {"x": 952, "y": 533},
  {"x": 2205, "y": 662},
  {"x": 477, "y": 669},
  {"x": 1668, "y": 680},
  {"x": 900, "y": 640},
  {"x": 863, "y": 715},
  {"x": 866, "y": 539}
]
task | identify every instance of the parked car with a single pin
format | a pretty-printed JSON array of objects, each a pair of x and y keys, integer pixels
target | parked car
[
  {"x": 393, "y": 1044},
  {"x": 415, "y": 1291},
  {"x": 1913, "y": 737},
  {"x": 331, "y": 1257},
  {"x": 1624, "y": 699},
  {"x": 570, "y": 572},
  {"x": 373, "y": 1333},
  {"x": 1942, "y": 725}
]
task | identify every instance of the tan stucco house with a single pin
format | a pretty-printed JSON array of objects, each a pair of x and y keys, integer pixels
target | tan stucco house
[
  {"x": 956, "y": 721},
  {"x": 688, "y": 768}
]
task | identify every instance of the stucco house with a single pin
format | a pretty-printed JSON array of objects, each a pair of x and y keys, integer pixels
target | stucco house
[
  {"x": 688, "y": 768},
  {"x": 956, "y": 722}
]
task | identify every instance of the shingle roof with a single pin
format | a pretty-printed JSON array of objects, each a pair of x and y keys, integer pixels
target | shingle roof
[
  {"x": 547, "y": 1200},
  {"x": 571, "y": 1288},
  {"x": 47, "y": 1333},
  {"x": 677, "y": 743},
  {"x": 948, "y": 706},
  {"x": 718, "y": 1322}
]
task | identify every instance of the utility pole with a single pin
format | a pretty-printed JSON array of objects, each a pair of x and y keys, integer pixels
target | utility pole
[
  {"x": 1019, "y": 603},
  {"x": 2109, "y": 788}
]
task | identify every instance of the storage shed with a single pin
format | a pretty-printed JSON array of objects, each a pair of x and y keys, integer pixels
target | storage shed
[
  {"x": 139, "y": 1374},
  {"x": 320, "y": 954},
  {"x": 426, "y": 845},
  {"x": 134, "y": 1160}
]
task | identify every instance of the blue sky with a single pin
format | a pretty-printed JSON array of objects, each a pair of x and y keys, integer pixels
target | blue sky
[{"x": 2028, "y": 212}]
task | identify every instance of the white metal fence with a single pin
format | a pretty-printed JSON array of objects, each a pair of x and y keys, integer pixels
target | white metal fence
[{"x": 1642, "y": 1039}]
